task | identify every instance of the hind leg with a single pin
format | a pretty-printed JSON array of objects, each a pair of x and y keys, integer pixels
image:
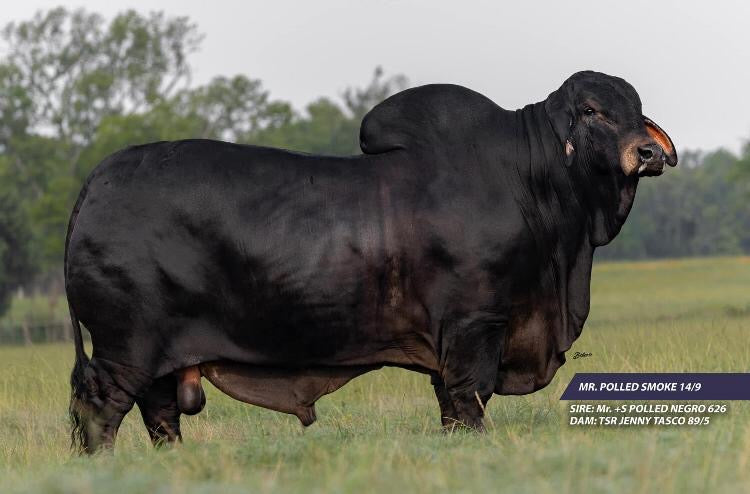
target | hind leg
[
  {"x": 160, "y": 411},
  {"x": 100, "y": 403}
]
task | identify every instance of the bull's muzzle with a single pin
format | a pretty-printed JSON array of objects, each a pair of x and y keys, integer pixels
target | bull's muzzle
[{"x": 652, "y": 159}]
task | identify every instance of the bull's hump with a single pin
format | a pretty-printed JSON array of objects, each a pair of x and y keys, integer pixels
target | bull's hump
[{"x": 425, "y": 117}]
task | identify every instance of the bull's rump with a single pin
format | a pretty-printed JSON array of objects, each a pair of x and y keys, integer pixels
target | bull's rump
[{"x": 200, "y": 251}]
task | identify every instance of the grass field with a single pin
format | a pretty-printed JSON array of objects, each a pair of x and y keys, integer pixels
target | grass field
[{"x": 381, "y": 432}]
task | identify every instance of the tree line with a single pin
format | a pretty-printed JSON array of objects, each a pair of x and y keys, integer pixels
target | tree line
[{"x": 75, "y": 87}]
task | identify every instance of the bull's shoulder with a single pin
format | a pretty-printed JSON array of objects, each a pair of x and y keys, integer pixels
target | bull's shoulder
[{"x": 424, "y": 117}]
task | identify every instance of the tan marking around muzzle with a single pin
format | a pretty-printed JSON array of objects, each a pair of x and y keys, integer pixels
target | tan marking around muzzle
[{"x": 629, "y": 158}]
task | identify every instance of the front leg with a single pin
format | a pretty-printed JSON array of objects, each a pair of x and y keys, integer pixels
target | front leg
[
  {"x": 448, "y": 415},
  {"x": 470, "y": 357}
]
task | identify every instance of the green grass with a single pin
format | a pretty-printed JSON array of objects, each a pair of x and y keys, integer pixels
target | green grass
[{"x": 381, "y": 432}]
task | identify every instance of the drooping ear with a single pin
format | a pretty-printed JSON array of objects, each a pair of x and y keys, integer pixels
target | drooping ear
[
  {"x": 661, "y": 137},
  {"x": 560, "y": 112}
]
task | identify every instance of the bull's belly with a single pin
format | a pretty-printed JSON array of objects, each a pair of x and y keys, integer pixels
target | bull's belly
[
  {"x": 292, "y": 391},
  {"x": 293, "y": 385},
  {"x": 198, "y": 342}
]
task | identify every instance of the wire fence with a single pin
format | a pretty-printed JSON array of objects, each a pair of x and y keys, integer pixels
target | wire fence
[{"x": 27, "y": 333}]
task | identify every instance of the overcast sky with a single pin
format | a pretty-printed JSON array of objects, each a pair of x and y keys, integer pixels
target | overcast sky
[{"x": 688, "y": 60}]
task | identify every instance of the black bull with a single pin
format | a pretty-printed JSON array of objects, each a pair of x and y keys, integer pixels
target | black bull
[{"x": 458, "y": 245}]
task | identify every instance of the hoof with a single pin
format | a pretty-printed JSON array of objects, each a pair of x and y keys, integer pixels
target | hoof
[
  {"x": 452, "y": 425},
  {"x": 306, "y": 415}
]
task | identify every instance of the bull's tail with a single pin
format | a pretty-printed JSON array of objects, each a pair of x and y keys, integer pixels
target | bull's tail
[
  {"x": 77, "y": 376},
  {"x": 78, "y": 397}
]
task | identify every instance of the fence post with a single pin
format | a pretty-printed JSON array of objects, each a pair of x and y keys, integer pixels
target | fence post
[{"x": 26, "y": 331}]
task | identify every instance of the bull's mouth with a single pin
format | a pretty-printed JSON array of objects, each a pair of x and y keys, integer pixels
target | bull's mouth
[{"x": 651, "y": 169}]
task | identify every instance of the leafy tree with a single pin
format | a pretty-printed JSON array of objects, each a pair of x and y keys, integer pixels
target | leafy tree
[
  {"x": 78, "y": 69},
  {"x": 65, "y": 73},
  {"x": 15, "y": 239},
  {"x": 325, "y": 126}
]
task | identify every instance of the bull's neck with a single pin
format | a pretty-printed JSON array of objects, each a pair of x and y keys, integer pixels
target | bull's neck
[{"x": 557, "y": 209}]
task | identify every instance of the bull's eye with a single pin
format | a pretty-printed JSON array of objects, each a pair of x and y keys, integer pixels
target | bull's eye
[{"x": 588, "y": 111}]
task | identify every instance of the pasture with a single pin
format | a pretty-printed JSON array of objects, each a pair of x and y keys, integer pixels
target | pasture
[{"x": 382, "y": 431}]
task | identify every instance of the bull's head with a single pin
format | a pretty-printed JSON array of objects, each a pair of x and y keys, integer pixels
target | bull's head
[{"x": 608, "y": 144}]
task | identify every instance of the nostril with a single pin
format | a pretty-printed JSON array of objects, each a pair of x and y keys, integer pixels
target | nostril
[{"x": 646, "y": 152}]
